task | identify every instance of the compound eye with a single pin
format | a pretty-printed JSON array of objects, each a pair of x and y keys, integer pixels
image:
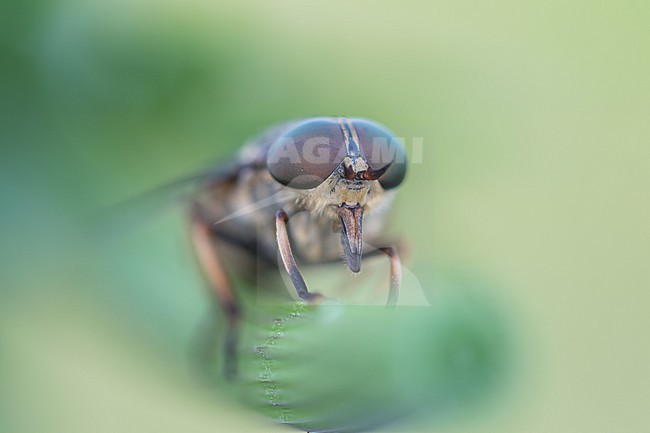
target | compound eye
[
  {"x": 307, "y": 154},
  {"x": 381, "y": 148}
]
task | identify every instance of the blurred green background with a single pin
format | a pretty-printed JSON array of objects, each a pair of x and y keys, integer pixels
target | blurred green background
[{"x": 535, "y": 176}]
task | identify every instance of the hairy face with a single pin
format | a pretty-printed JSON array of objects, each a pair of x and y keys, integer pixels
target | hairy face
[{"x": 337, "y": 191}]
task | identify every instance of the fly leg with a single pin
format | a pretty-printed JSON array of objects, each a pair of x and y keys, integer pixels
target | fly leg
[
  {"x": 395, "y": 272},
  {"x": 288, "y": 260},
  {"x": 395, "y": 275},
  {"x": 220, "y": 289}
]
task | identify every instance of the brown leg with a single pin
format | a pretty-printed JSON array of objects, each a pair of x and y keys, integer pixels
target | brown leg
[
  {"x": 220, "y": 289},
  {"x": 395, "y": 275},
  {"x": 287, "y": 258},
  {"x": 395, "y": 271}
]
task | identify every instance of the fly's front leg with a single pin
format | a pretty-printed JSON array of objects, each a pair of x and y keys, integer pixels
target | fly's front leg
[
  {"x": 221, "y": 290},
  {"x": 395, "y": 272},
  {"x": 288, "y": 260},
  {"x": 395, "y": 275}
]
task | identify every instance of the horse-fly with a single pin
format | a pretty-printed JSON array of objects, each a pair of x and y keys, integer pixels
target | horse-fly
[{"x": 330, "y": 173}]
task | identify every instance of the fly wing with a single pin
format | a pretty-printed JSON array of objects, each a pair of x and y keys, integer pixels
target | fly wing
[
  {"x": 129, "y": 215},
  {"x": 253, "y": 154}
]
